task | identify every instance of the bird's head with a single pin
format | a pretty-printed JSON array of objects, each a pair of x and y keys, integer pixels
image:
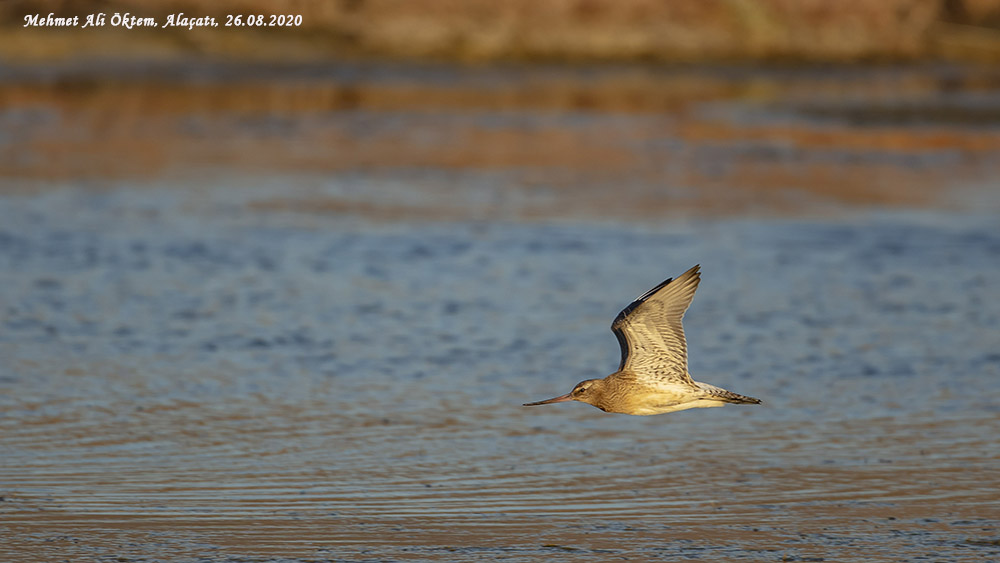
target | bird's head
[{"x": 589, "y": 391}]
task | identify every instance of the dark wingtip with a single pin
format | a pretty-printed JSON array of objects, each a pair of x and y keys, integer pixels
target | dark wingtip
[{"x": 640, "y": 300}]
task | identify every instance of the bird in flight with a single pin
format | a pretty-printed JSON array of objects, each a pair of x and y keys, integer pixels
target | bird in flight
[{"x": 653, "y": 377}]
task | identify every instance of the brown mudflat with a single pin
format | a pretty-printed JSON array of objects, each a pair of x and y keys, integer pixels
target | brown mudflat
[{"x": 429, "y": 143}]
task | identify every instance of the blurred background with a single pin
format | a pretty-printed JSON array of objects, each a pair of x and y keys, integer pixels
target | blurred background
[
  {"x": 277, "y": 293},
  {"x": 519, "y": 109}
]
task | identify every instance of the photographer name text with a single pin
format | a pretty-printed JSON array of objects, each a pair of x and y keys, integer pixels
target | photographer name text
[{"x": 130, "y": 21}]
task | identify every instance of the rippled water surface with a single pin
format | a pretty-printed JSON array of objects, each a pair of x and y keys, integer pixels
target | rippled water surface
[
  {"x": 186, "y": 381},
  {"x": 295, "y": 320}
]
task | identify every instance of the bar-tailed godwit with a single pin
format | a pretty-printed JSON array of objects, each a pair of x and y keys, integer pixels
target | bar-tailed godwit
[{"x": 653, "y": 377}]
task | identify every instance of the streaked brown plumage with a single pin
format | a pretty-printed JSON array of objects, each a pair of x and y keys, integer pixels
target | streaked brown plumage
[{"x": 652, "y": 377}]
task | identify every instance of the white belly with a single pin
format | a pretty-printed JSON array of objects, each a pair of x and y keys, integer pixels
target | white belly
[{"x": 655, "y": 407}]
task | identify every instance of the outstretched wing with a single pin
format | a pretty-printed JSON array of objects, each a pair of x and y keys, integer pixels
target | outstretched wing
[{"x": 651, "y": 334}]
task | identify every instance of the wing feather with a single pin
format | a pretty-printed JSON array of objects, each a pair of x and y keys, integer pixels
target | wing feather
[{"x": 651, "y": 334}]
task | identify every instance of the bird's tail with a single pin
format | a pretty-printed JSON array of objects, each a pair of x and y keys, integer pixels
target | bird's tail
[{"x": 720, "y": 394}]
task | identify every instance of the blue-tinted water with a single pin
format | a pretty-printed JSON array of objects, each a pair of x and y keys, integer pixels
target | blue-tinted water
[{"x": 184, "y": 375}]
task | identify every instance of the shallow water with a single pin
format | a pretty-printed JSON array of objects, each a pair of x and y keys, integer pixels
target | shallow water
[
  {"x": 252, "y": 316},
  {"x": 200, "y": 383}
]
